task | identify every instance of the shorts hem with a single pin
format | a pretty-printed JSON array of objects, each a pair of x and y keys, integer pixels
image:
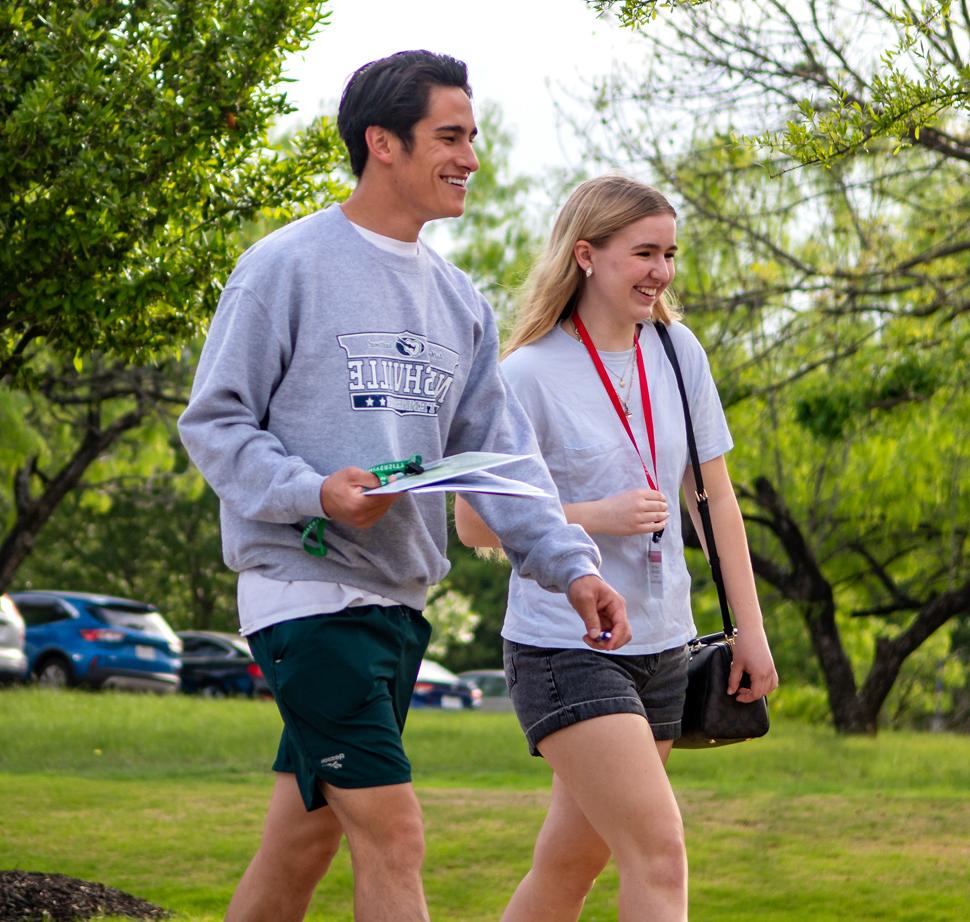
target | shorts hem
[
  {"x": 666, "y": 731},
  {"x": 571, "y": 714},
  {"x": 358, "y": 785},
  {"x": 313, "y": 797},
  {"x": 400, "y": 779}
]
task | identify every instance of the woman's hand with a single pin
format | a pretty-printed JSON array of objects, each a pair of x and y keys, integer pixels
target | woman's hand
[
  {"x": 635, "y": 512},
  {"x": 752, "y": 656}
]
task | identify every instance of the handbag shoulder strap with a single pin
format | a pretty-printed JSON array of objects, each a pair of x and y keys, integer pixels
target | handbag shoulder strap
[{"x": 700, "y": 492}]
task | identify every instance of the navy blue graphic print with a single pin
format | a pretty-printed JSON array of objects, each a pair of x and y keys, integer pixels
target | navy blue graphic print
[{"x": 401, "y": 372}]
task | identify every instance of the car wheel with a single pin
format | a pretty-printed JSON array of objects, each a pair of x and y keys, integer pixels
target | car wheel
[
  {"x": 213, "y": 691},
  {"x": 54, "y": 673}
]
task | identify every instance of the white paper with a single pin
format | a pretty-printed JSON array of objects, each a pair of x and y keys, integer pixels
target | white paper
[
  {"x": 465, "y": 472},
  {"x": 482, "y": 482}
]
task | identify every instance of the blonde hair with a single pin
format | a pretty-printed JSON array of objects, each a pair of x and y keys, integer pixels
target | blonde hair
[{"x": 595, "y": 211}]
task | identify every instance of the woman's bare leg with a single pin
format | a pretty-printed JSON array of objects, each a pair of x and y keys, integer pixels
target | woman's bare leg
[
  {"x": 614, "y": 774},
  {"x": 569, "y": 855}
]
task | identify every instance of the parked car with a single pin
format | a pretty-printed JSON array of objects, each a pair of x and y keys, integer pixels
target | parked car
[
  {"x": 219, "y": 665},
  {"x": 99, "y": 641},
  {"x": 437, "y": 687},
  {"x": 494, "y": 688},
  {"x": 13, "y": 660}
]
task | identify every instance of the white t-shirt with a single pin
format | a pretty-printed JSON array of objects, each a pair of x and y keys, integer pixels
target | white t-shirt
[
  {"x": 590, "y": 456},
  {"x": 263, "y": 601}
]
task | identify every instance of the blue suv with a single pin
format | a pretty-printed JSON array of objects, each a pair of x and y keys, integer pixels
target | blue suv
[{"x": 77, "y": 638}]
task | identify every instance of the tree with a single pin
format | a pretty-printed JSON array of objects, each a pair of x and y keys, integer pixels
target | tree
[
  {"x": 134, "y": 147},
  {"x": 452, "y": 618},
  {"x": 134, "y": 144},
  {"x": 834, "y": 304},
  {"x": 839, "y": 97},
  {"x": 68, "y": 423},
  {"x": 154, "y": 538},
  {"x": 637, "y": 13}
]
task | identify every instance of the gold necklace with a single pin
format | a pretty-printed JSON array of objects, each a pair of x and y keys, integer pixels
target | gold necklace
[
  {"x": 625, "y": 398},
  {"x": 628, "y": 373}
]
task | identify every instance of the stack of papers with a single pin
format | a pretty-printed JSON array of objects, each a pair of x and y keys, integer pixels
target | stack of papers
[{"x": 464, "y": 473}]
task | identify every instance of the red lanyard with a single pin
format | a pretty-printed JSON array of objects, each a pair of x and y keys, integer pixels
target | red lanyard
[{"x": 608, "y": 385}]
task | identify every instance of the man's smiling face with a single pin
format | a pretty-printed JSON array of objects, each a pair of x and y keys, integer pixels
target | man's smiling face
[{"x": 430, "y": 178}]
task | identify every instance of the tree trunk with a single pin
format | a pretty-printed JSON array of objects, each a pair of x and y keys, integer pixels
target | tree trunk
[
  {"x": 854, "y": 709},
  {"x": 33, "y": 512},
  {"x": 891, "y": 654}
]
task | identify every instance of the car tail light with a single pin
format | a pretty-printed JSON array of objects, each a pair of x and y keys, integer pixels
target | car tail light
[
  {"x": 254, "y": 671},
  {"x": 102, "y": 635},
  {"x": 422, "y": 688}
]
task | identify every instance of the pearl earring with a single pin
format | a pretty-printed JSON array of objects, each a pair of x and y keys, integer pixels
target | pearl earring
[{"x": 589, "y": 271}]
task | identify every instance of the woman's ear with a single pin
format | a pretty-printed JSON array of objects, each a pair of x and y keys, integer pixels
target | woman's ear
[{"x": 582, "y": 252}]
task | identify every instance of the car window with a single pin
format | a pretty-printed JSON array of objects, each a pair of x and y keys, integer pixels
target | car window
[
  {"x": 205, "y": 648},
  {"x": 148, "y": 622},
  {"x": 37, "y": 613},
  {"x": 492, "y": 685}
]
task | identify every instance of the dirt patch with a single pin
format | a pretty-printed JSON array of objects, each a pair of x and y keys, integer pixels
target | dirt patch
[{"x": 30, "y": 895}]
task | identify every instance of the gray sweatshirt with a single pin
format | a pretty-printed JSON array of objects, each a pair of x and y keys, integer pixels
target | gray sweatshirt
[{"x": 327, "y": 352}]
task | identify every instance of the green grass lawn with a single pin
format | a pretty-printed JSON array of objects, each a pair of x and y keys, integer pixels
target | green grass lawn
[{"x": 164, "y": 798}]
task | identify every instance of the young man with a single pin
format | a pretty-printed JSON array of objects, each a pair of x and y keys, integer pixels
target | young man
[{"x": 342, "y": 342}]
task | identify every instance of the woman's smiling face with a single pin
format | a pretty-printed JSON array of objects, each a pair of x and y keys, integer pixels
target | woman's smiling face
[{"x": 632, "y": 269}]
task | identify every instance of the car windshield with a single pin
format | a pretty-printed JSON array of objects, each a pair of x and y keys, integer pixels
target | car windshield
[
  {"x": 241, "y": 646},
  {"x": 431, "y": 671},
  {"x": 148, "y": 622},
  {"x": 8, "y": 610}
]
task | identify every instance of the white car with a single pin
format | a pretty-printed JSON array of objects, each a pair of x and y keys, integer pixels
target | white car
[
  {"x": 13, "y": 661},
  {"x": 437, "y": 687},
  {"x": 495, "y": 691}
]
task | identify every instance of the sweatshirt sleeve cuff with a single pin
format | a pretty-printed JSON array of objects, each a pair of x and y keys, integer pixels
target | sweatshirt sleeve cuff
[
  {"x": 576, "y": 566},
  {"x": 308, "y": 496}
]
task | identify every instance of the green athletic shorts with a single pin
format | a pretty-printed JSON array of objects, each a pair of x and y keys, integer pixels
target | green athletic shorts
[{"x": 343, "y": 683}]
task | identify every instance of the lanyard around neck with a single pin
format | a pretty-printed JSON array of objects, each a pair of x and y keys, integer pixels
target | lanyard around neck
[{"x": 611, "y": 392}]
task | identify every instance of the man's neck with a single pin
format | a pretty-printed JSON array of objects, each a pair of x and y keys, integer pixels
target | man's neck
[{"x": 377, "y": 213}]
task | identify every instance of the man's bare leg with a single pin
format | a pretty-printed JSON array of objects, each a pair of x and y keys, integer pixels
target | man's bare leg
[
  {"x": 294, "y": 853},
  {"x": 386, "y": 837}
]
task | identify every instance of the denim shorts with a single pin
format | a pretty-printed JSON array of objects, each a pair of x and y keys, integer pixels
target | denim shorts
[
  {"x": 553, "y": 688},
  {"x": 342, "y": 682}
]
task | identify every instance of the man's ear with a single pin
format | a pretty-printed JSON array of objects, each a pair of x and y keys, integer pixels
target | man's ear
[{"x": 380, "y": 143}]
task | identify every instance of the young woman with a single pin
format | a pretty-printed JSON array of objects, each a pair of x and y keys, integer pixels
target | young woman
[{"x": 587, "y": 364}]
